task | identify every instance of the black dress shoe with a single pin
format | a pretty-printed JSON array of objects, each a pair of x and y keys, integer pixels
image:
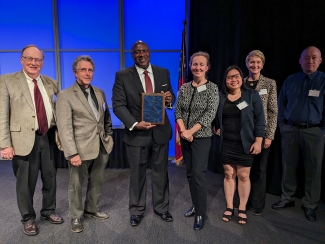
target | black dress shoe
[
  {"x": 135, "y": 219},
  {"x": 76, "y": 225},
  {"x": 190, "y": 212},
  {"x": 166, "y": 216},
  {"x": 198, "y": 223},
  {"x": 310, "y": 213},
  {"x": 282, "y": 205},
  {"x": 97, "y": 215}
]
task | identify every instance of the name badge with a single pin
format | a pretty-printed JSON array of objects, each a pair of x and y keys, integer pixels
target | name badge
[
  {"x": 242, "y": 105},
  {"x": 263, "y": 92},
  {"x": 313, "y": 93},
  {"x": 201, "y": 88}
]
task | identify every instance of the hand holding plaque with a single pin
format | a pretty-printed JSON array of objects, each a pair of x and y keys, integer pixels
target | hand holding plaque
[{"x": 153, "y": 108}]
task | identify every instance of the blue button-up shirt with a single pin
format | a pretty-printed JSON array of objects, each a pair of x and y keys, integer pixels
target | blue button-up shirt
[{"x": 295, "y": 103}]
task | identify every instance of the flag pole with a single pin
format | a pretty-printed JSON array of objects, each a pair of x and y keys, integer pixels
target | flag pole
[{"x": 181, "y": 80}]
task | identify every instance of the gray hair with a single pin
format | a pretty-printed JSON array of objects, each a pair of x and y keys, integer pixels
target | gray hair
[{"x": 82, "y": 58}]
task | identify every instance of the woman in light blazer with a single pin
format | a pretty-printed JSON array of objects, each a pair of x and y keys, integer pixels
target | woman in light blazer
[
  {"x": 240, "y": 123},
  {"x": 266, "y": 88}
]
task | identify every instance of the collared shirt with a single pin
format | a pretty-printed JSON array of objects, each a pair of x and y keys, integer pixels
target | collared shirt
[
  {"x": 83, "y": 89},
  {"x": 301, "y": 99},
  {"x": 141, "y": 75},
  {"x": 143, "y": 82},
  {"x": 46, "y": 100}
]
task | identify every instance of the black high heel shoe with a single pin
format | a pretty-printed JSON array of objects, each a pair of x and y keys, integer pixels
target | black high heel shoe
[{"x": 227, "y": 216}]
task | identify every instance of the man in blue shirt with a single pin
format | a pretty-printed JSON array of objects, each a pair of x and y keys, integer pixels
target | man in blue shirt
[{"x": 301, "y": 119}]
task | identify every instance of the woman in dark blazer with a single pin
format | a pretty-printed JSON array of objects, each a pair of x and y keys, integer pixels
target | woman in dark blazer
[{"x": 240, "y": 124}]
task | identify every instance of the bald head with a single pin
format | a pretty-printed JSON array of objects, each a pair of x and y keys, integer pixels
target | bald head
[
  {"x": 139, "y": 42},
  {"x": 310, "y": 59}
]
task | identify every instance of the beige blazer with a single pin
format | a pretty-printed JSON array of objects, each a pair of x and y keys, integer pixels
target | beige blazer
[
  {"x": 79, "y": 130},
  {"x": 17, "y": 111},
  {"x": 270, "y": 104}
]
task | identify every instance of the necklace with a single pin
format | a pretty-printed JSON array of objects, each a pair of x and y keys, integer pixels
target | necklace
[{"x": 251, "y": 83}]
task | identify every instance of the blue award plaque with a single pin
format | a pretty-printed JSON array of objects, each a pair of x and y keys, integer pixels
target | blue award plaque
[{"x": 153, "y": 108}]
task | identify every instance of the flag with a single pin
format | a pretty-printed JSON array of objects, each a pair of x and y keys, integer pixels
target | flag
[{"x": 181, "y": 81}]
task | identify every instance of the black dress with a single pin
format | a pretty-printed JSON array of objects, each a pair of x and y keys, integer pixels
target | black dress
[{"x": 232, "y": 151}]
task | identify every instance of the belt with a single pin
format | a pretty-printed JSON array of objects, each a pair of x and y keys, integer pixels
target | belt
[
  {"x": 38, "y": 133},
  {"x": 302, "y": 125}
]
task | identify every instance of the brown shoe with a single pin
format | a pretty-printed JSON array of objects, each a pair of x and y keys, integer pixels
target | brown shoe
[
  {"x": 30, "y": 228},
  {"x": 54, "y": 218}
]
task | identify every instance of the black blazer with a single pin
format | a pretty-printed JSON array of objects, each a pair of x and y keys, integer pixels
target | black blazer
[
  {"x": 252, "y": 118},
  {"x": 126, "y": 101}
]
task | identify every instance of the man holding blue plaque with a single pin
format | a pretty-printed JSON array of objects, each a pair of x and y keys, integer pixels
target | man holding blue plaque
[{"x": 142, "y": 137}]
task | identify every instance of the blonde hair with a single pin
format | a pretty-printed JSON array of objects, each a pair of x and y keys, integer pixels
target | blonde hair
[
  {"x": 200, "y": 53},
  {"x": 256, "y": 53}
]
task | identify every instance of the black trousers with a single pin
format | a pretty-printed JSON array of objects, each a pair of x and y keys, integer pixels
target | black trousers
[
  {"x": 308, "y": 143},
  {"x": 258, "y": 179},
  {"x": 138, "y": 158},
  {"x": 26, "y": 170},
  {"x": 196, "y": 157}
]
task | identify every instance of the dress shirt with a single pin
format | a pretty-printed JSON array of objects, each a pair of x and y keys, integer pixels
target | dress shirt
[
  {"x": 46, "y": 100},
  {"x": 143, "y": 82},
  {"x": 141, "y": 75},
  {"x": 297, "y": 105},
  {"x": 83, "y": 89}
]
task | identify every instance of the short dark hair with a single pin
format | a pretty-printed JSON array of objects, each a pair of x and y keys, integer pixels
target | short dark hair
[
  {"x": 225, "y": 89},
  {"x": 139, "y": 42}
]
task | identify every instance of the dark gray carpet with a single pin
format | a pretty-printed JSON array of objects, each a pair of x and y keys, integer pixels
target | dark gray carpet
[{"x": 285, "y": 226}]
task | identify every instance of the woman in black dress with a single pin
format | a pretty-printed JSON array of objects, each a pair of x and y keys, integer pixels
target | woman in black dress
[{"x": 240, "y": 124}]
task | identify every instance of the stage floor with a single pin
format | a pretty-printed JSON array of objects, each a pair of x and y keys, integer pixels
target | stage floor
[{"x": 285, "y": 226}]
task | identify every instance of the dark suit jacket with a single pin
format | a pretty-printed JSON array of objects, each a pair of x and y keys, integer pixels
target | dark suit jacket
[
  {"x": 252, "y": 118},
  {"x": 126, "y": 100}
]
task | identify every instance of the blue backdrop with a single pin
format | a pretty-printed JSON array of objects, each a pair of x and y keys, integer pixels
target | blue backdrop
[{"x": 92, "y": 27}]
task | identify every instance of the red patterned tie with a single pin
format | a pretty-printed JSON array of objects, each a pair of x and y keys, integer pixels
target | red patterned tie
[
  {"x": 40, "y": 110},
  {"x": 148, "y": 82}
]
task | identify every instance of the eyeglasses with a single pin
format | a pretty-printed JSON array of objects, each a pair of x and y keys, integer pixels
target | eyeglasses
[
  {"x": 30, "y": 59},
  {"x": 233, "y": 77},
  {"x": 84, "y": 70}
]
